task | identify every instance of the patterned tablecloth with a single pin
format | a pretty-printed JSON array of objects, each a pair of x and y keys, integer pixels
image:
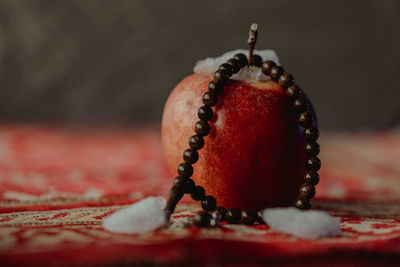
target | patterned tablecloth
[{"x": 57, "y": 183}]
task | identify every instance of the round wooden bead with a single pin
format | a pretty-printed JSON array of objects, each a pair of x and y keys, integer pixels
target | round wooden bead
[
  {"x": 242, "y": 59},
  {"x": 216, "y": 88},
  {"x": 209, "y": 203},
  {"x": 303, "y": 204},
  {"x": 233, "y": 216},
  {"x": 219, "y": 214},
  {"x": 235, "y": 63},
  {"x": 275, "y": 72},
  {"x": 226, "y": 66},
  {"x": 260, "y": 218},
  {"x": 196, "y": 142},
  {"x": 248, "y": 217},
  {"x": 257, "y": 61},
  {"x": 286, "y": 80},
  {"x": 198, "y": 193},
  {"x": 299, "y": 105},
  {"x": 266, "y": 67},
  {"x": 201, "y": 219},
  {"x": 313, "y": 164},
  {"x": 307, "y": 191},
  {"x": 189, "y": 186},
  {"x": 202, "y": 128},
  {"x": 190, "y": 156},
  {"x": 209, "y": 99},
  {"x": 311, "y": 177},
  {"x": 179, "y": 181},
  {"x": 312, "y": 149},
  {"x": 221, "y": 76},
  {"x": 311, "y": 134},
  {"x": 185, "y": 170},
  {"x": 293, "y": 92},
  {"x": 205, "y": 113},
  {"x": 305, "y": 119}
]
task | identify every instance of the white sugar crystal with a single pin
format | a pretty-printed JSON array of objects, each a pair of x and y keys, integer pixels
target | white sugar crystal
[
  {"x": 210, "y": 65},
  {"x": 143, "y": 216},
  {"x": 308, "y": 224}
]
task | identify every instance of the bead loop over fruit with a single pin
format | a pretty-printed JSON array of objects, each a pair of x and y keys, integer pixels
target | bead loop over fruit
[{"x": 183, "y": 184}]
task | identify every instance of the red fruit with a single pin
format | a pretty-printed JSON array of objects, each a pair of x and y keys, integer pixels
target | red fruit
[{"x": 254, "y": 155}]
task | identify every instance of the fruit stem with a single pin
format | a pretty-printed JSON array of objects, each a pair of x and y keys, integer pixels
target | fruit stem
[{"x": 252, "y": 41}]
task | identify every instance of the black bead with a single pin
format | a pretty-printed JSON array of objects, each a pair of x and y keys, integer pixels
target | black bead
[
  {"x": 233, "y": 216},
  {"x": 311, "y": 134},
  {"x": 190, "y": 156},
  {"x": 209, "y": 99},
  {"x": 303, "y": 204},
  {"x": 202, "y": 128},
  {"x": 189, "y": 186},
  {"x": 313, "y": 164},
  {"x": 260, "y": 218},
  {"x": 185, "y": 170},
  {"x": 305, "y": 119},
  {"x": 307, "y": 191},
  {"x": 226, "y": 66},
  {"x": 312, "y": 149},
  {"x": 266, "y": 67},
  {"x": 219, "y": 214},
  {"x": 242, "y": 59},
  {"x": 235, "y": 63},
  {"x": 198, "y": 193},
  {"x": 286, "y": 80},
  {"x": 221, "y": 76},
  {"x": 179, "y": 181},
  {"x": 293, "y": 92},
  {"x": 205, "y": 113},
  {"x": 196, "y": 142},
  {"x": 209, "y": 203},
  {"x": 201, "y": 219},
  {"x": 300, "y": 105},
  {"x": 215, "y": 88},
  {"x": 257, "y": 61},
  {"x": 275, "y": 72},
  {"x": 311, "y": 177},
  {"x": 248, "y": 217}
]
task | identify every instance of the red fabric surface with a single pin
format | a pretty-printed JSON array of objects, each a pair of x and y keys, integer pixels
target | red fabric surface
[{"x": 57, "y": 183}]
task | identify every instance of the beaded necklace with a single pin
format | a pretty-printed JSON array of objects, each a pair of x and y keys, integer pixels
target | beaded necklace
[{"x": 184, "y": 185}]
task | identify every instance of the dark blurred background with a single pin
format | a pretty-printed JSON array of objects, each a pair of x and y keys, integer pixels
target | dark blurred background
[{"x": 69, "y": 60}]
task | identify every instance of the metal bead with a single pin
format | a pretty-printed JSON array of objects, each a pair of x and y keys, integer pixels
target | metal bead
[{"x": 303, "y": 204}]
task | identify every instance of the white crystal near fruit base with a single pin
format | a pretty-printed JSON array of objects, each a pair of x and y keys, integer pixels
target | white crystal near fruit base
[
  {"x": 308, "y": 224},
  {"x": 252, "y": 73},
  {"x": 141, "y": 217}
]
